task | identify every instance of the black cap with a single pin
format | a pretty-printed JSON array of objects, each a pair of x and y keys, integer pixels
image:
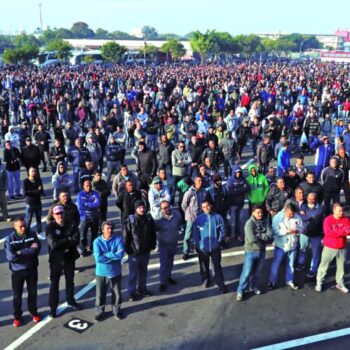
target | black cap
[{"x": 138, "y": 203}]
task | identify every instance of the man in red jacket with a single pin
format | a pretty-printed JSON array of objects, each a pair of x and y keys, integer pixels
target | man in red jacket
[{"x": 335, "y": 227}]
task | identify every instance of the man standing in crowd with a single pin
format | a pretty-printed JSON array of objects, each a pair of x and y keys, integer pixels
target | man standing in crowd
[
  {"x": 139, "y": 239},
  {"x": 167, "y": 228},
  {"x": 258, "y": 185},
  {"x": 63, "y": 238},
  {"x": 264, "y": 154},
  {"x": 277, "y": 197},
  {"x": 156, "y": 194},
  {"x": 336, "y": 228},
  {"x": 208, "y": 233},
  {"x": 22, "y": 248},
  {"x": 257, "y": 233},
  {"x": 146, "y": 164},
  {"x": 287, "y": 225},
  {"x": 108, "y": 252}
]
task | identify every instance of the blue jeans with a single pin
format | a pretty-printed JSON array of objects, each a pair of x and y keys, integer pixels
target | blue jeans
[
  {"x": 278, "y": 257},
  {"x": 252, "y": 267},
  {"x": 166, "y": 259},
  {"x": 152, "y": 142},
  {"x": 187, "y": 238},
  {"x": 315, "y": 248},
  {"x": 76, "y": 177},
  {"x": 31, "y": 210},
  {"x": 138, "y": 266},
  {"x": 112, "y": 167},
  {"x": 14, "y": 182},
  {"x": 235, "y": 220}
]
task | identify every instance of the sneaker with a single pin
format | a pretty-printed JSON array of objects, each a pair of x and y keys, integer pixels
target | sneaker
[
  {"x": 271, "y": 286},
  {"x": 41, "y": 236},
  {"x": 53, "y": 314},
  {"x": 145, "y": 293},
  {"x": 36, "y": 318},
  {"x": 342, "y": 288},
  {"x": 185, "y": 257},
  {"x": 162, "y": 288},
  {"x": 311, "y": 274},
  {"x": 206, "y": 283},
  {"x": 16, "y": 322},
  {"x": 256, "y": 291},
  {"x": 292, "y": 285},
  {"x": 100, "y": 317},
  {"x": 75, "y": 306},
  {"x": 119, "y": 315},
  {"x": 133, "y": 297},
  {"x": 318, "y": 287},
  {"x": 172, "y": 281},
  {"x": 239, "y": 297}
]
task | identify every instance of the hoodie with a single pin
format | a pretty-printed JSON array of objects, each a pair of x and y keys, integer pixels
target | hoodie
[
  {"x": 237, "y": 187},
  {"x": 259, "y": 187},
  {"x": 61, "y": 182}
]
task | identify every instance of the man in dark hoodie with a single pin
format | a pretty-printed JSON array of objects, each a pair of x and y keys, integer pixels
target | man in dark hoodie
[
  {"x": 257, "y": 232},
  {"x": 22, "y": 248},
  {"x": 237, "y": 187},
  {"x": 146, "y": 164}
]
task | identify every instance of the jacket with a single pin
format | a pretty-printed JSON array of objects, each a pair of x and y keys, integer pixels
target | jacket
[
  {"x": 259, "y": 187},
  {"x": 192, "y": 203},
  {"x": 283, "y": 162},
  {"x": 139, "y": 234},
  {"x": 28, "y": 257},
  {"x": 215, "y": 155},
  {"x": 323, "y": 154},
  {"x": 313, "y": 220},
  {"x": 155, "y": 198},
  {"x": 165, "y": 151},
  {"x": 88, "y": 205},
  {"x": 61, "y": 182},
  {"x": 237, "y": 188},
  {"x": 180, "y": 169},
  {"x": 62, "y": 241},
  {"x": 195, "y": 152},
  {"x": 95, "y": 151},
  {"x": 3, "y": 179},
  {"x": 208, "y": 231},
  {"x": 108, "y": 255},
  {"x": 264, "y": 153},
  {"x": 31, "y": 156},
  {"x": 71, "y": 213},
  {"x": 118, "y": 184},
  {"x": 103, "y": 189},
  {"x": 114, "y": 152},
  {"x": 280, "y": 225},
  {"x": 315, "y": 188},
  {"x": 335, "y": 232},
  {"x": 219, "y": 198},
  {"x": 168, "y": 229},
  {"x": 12, "y": 158},
  {"x": 332, "y": 179},
  {"x": 256, "y": 234},
  {"x": 276, "y": 198},
  {"x": 33, "y": 191},
  {"x": 228, "y": 148},
  {"x": 125, "y": 202},
  {"x": 78, "y": 156},
  {"x": 147, "y": 162}
]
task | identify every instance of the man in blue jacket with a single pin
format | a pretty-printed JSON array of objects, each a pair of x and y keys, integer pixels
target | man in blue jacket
[
  {"x": 88, "y": 202},
  {"x": 108, "y": 251},
  {"x": 283, "y": 159},
  {"x": 323, "y": 155},
  {"x": 22, "y": 249},
  {"x": 208, "y": 233}
]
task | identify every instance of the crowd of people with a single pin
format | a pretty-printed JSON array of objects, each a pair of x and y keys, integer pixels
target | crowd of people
[{"x": 188, "y": 130}]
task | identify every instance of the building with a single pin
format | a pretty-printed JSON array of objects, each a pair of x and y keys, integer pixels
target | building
[{"x": 331, "y": 41}]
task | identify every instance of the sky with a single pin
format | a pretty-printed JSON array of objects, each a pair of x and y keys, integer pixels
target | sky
[{"x": 179, "y": 16}]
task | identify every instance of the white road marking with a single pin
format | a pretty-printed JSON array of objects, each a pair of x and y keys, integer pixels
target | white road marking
[{"x": 307, "y": 340}]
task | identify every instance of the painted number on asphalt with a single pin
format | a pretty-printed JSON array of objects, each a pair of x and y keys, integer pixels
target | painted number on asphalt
[{"x": 78, "y": 325}]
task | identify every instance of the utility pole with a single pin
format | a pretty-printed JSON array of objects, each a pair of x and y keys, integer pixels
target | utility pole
[{"x": 41, "y": 17}]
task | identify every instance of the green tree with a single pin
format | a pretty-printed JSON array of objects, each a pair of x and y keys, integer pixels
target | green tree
[
  {"x": 88, "y": 59},
  {"x": 112, "y": 51},
  {"x": 149, "y": 32},
  {"x": 64, "y": 33},
  {"x": 249, "y": 44},
  {"x": 203, "y": 43},
  {"x": 102, "y": 34},
  {"x": 5, "y": 43},
  {"x": 21, "y": 54},
  {"x": 81, "y": 30},
  {"x": 63, "y": 48},
  {"x": 25, "y": 39},
  {"x": 174, "y": 48},
  {"x": 117, "y": 34}
]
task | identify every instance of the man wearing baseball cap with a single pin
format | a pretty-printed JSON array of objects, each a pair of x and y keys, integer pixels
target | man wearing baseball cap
[{"x": 63, "y": 238}]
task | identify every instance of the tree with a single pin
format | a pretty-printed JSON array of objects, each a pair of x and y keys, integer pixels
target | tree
[
  {"x": 112, "y": 51},
  {"x": 81, "y": 30},
  {"x": 249, "y": 44},
  {"x": 64, "y": 33},
  {"x": 150, "y": 49},
  {"x": 149, "y": 32},
  {"x": 24, "y": 39},
  {"x": 5, "y": 43},
  {"x": 174, "y": 48},
  {"x": 203, "y": 43},
  {"x": 102, "y": 34},
  {"x": 88, "y": 59},
  {"x": 22, "y": 54},
  {"x": 63, "y": 48},
  {"x": 117, "y": 34}
]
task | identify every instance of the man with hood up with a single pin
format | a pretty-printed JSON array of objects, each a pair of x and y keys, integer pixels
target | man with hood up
[
  {"x": 157, "y": 193},
  {"x": 259, "y": 187},
  {"x": 237, "y": 187},
  {"x": 62, "y": 181},
  {"x": 146, "y": 164}
]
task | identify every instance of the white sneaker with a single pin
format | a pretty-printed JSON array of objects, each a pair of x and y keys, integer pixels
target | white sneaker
[
  {"x": 256, "y": 291},
  {"x": 342, "y": 288},
  {"x": 318, "y": 287},
  {"x": 292, "y": 285},
  {"x": 239, "y": 297},
  {"x": 41, "y": 236}
]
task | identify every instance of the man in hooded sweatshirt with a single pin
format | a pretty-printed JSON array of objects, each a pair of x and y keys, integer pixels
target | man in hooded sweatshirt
[
  {"x": 259, "y": 187},
  {"x": 62, "y": 181}
]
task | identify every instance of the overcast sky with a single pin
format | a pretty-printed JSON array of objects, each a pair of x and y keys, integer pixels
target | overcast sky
[{"x": 180, "y": 16}]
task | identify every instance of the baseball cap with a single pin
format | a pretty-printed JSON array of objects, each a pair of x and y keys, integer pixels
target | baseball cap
[{"x": 57, "y": 209}]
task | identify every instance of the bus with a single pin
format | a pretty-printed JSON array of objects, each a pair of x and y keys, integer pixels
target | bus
[
  {"x": 335, "y": 56},
  {"x": 139, "y": 57},
  {"x": 47, "y": 59},
  {"x": 92, "y": 56}
]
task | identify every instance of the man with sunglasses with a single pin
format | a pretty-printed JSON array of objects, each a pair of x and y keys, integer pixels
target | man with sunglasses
[{"x": 22, "y": 248}]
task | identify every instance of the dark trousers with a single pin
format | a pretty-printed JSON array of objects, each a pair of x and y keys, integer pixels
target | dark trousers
[
  {"x": 55, "y": 275},
  {"x": 346, "y": 189},
  {"x": 102, "y": 286},
  {"x": 30, "y": 277},
  {"x": 329, "y": 197},
  {"x": 166, "y": 259},
  {"x": 138, "y": 266},
  {"x": 263, "y": 168},
  {"x": 85, "y": 225},
  {"x": 204, "y": 259}
]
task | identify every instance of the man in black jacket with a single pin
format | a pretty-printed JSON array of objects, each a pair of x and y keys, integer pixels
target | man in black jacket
[
  {"x": 42, "y": 139},
  {"x": 63, "y": 239},
  {"x": 31, "y": 155},
  {"x": 57, "y": 154},
  {"x": 311, "y": 185},
  {"x": 195, "y": 151},
  {"x": 22, "y": 248},
  {"x": 165, "y": 150},
  {"x": 139, "y": 239},
  {"x": 146, "y": 164},
  {"x": 277, "y": 197},
  {"x": 264, "y": 154}
]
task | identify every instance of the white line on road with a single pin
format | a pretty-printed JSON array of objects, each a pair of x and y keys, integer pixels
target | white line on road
[{"x": 307, "y": 340}]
